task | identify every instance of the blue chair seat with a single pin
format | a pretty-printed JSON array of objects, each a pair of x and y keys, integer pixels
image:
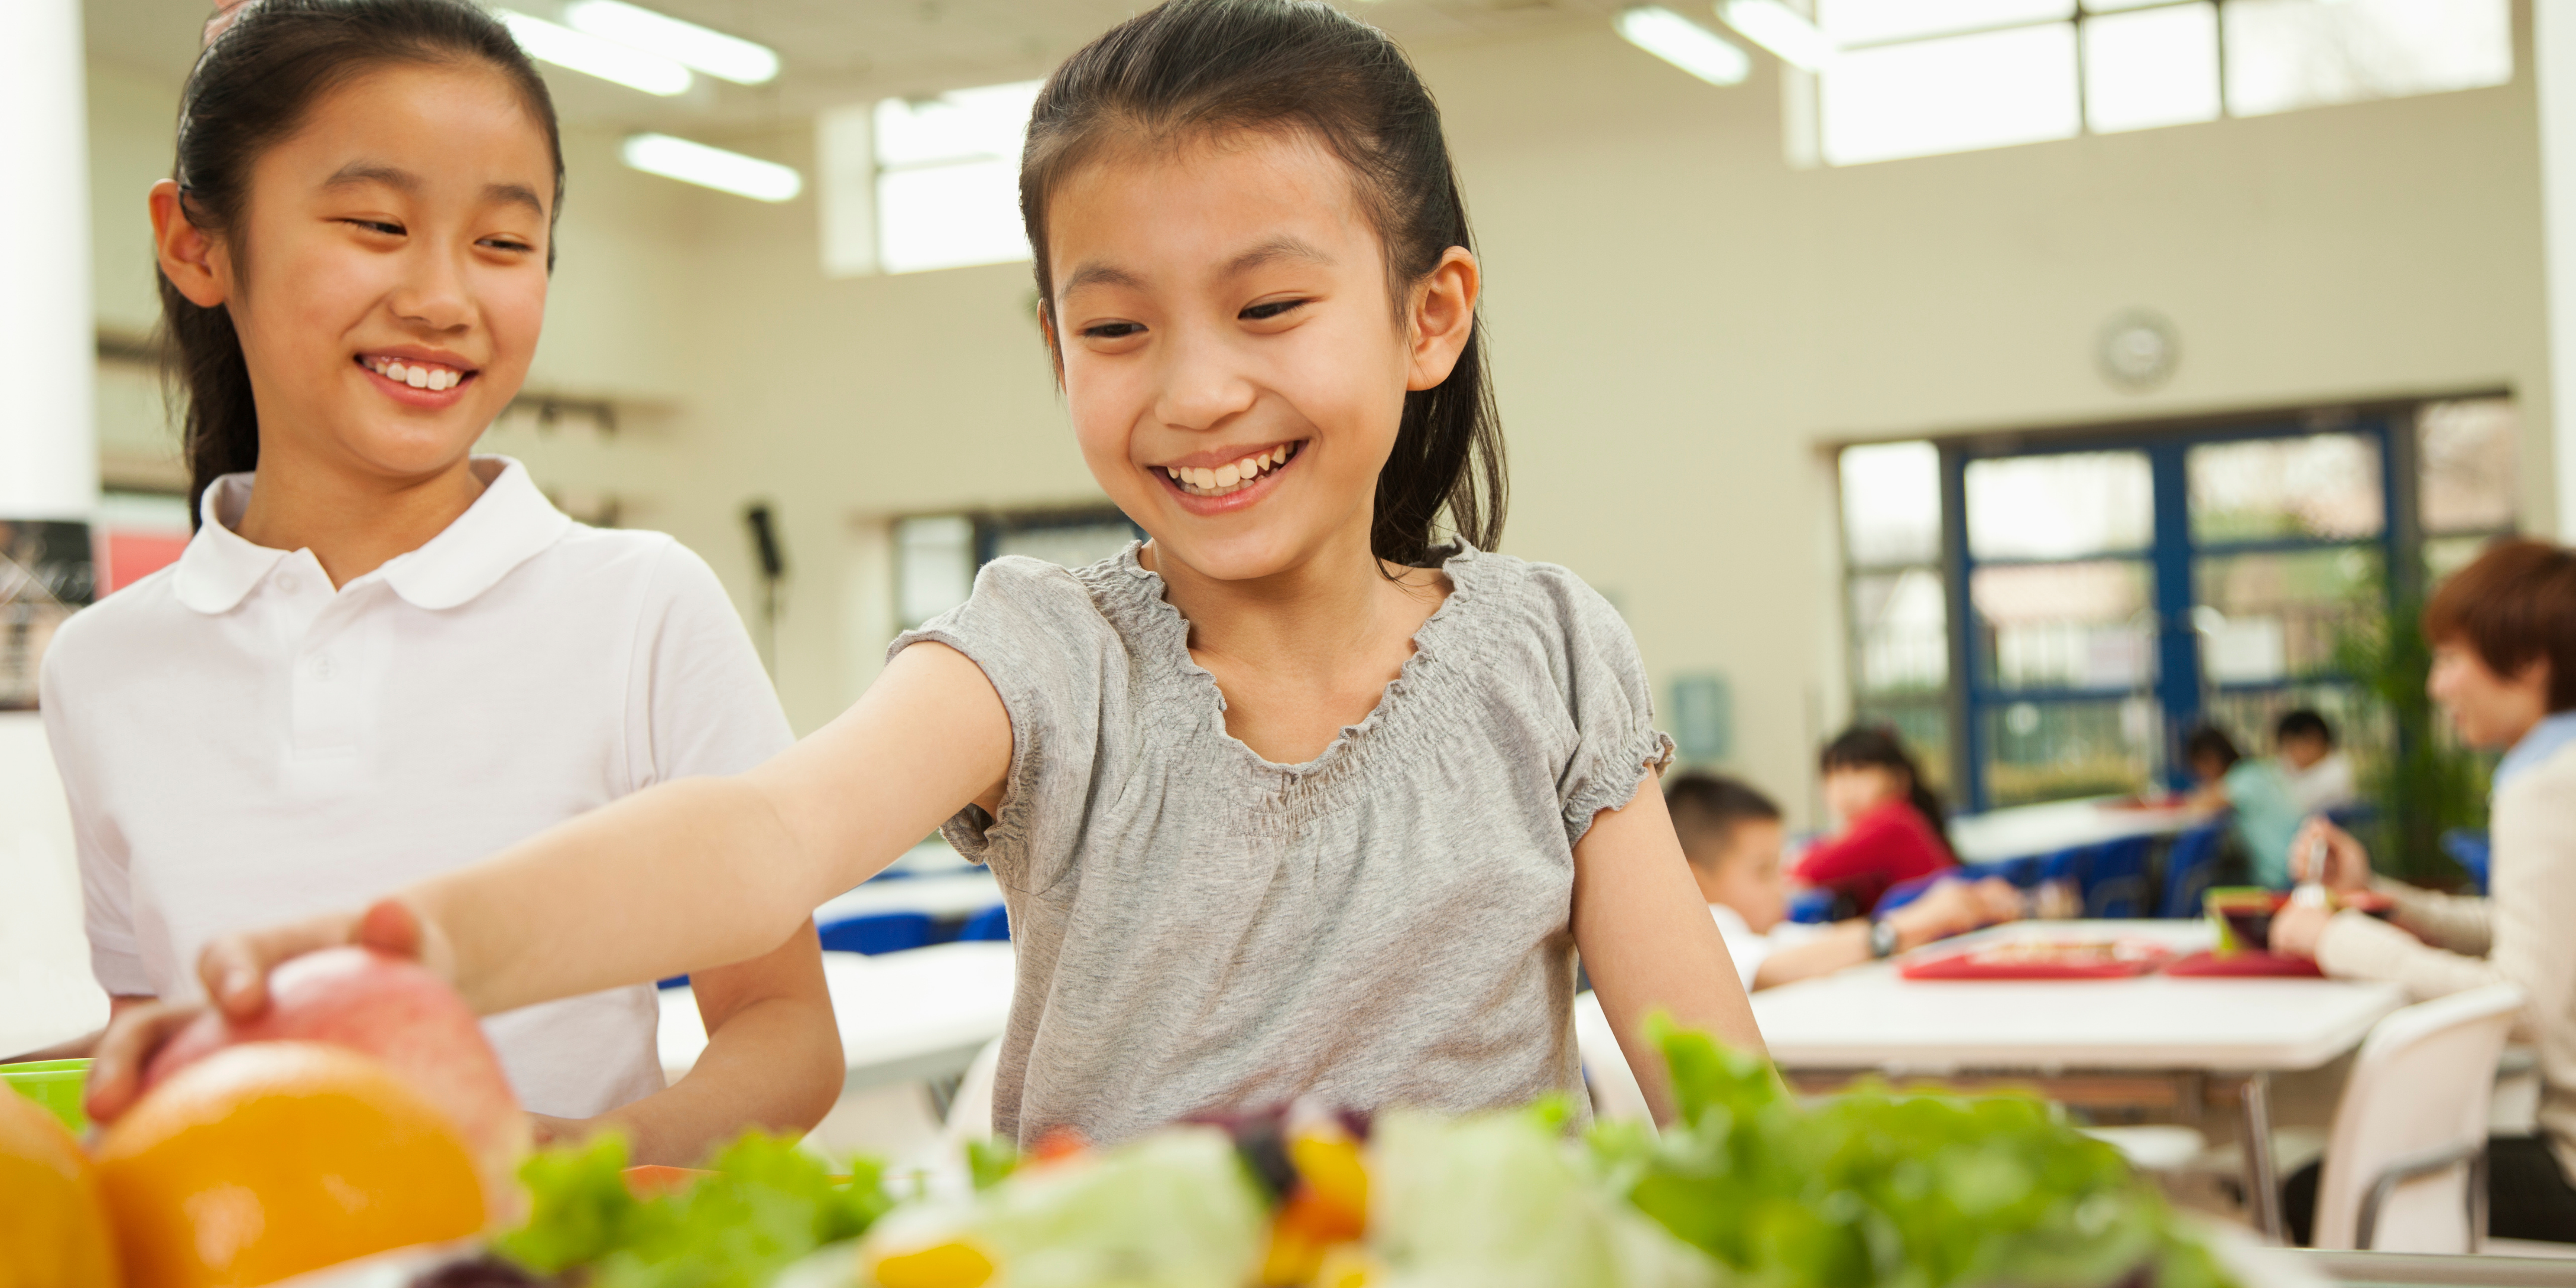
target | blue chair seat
[
  {"x": 876, "y": 932},
  {"x": 2471, "y": 851},
  {"x": 992, "y": 925}
]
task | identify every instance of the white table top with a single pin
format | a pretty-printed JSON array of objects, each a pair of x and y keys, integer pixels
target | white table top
[
  {"x": 1871, "y": 1018},
  {"x": 2026, "y": 830},
  {"x": 919, "y": 1013}
]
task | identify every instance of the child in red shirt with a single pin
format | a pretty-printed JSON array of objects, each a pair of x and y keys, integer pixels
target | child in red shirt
[{"x": 1892, "y": 828}]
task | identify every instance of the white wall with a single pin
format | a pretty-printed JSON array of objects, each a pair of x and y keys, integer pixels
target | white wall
[{"x": 1681, "y": 323}]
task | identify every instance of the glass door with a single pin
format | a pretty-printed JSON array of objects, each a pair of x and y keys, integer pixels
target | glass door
[{"x": 2107, "y": 595}]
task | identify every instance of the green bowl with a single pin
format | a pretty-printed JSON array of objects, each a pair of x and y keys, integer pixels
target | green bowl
[{"x": 55, "y": 1084}]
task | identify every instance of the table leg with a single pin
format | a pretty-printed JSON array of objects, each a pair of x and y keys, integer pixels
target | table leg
[{"x": 2263, "y": 1197}]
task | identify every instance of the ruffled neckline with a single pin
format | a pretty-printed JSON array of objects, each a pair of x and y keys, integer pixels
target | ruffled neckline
[{"x": 1167, "y": 634}]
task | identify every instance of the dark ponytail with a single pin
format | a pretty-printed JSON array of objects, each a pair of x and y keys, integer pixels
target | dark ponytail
[
  {"x": 1207, "y": 66},
  {"x": 251, "y": 88},
  {"x": 1878, "y": 747}
]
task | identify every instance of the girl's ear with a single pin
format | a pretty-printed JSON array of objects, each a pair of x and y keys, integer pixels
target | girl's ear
[
  {"x": 187, "y": 254},
  {"x": 1442, "y": 317}
]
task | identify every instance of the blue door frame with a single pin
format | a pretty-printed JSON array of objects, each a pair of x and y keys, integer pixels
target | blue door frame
[{"x": 2180, "y": 690}]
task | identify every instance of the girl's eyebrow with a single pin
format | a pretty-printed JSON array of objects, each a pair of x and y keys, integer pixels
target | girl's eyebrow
[
  {"x": 360, "y": 173},
  {"x": 1281, "y": 247}
]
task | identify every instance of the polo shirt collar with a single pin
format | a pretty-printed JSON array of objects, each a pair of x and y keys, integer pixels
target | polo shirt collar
[{"x": 505, "y": 527}]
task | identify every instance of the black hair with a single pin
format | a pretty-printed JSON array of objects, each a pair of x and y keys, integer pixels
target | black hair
[
  {"x": 2212, "y": 742},
  {"x": 2303, "y": 722},
  {"x": 1709, "y": 807},
  {"x": 250, "y": 89},
  {"x": 1188, "y": 68},
  {"x": 1878, "y": 747}
]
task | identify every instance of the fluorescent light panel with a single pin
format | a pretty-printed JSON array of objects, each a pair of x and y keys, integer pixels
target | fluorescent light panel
[
  {"x": 592, "y": 56},
  {"x": 713, "y": 52},
  {"x": 707, "y": 167},
  {"x": 1780, "y": 29},
  {"x": 1685, "y": 44}
]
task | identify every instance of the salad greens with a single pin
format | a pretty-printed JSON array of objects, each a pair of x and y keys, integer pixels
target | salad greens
[
  {"x": 767, "y": 1204},
  {"x": 1879, "y": 1188}
]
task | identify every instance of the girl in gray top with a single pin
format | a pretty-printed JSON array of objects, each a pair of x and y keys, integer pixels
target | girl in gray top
[{"x": 1297, "y": 798}]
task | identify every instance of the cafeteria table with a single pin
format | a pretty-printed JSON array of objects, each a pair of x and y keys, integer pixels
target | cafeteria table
[
  {"x": 2110, "y": 1038},
  {"x": 2025, "y": 830},
  {"x": 918, "y": 1014}
]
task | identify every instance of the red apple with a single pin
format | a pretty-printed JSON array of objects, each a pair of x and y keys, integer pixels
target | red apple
[{"x": 392, "y": 1009}]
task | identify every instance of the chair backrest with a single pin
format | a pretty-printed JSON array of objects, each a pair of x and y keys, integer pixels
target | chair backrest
[
  {"x": 876, "y": 932},
  {"x": 1905, "y": 892},
  {"x": 2404, "y": 1166},
  {"x": 2190, "y": 863},
  {"x": 2115, "y": 884},
  {"x": 991, "y": 925},
  {"x": 1615, "y": 1093}
]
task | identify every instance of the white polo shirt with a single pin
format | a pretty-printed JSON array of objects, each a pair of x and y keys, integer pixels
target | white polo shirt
[{"x": 242, "y": 745}]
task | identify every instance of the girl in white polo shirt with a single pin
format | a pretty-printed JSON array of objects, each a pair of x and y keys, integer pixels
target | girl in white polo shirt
[{"x": 381, "y": 657}]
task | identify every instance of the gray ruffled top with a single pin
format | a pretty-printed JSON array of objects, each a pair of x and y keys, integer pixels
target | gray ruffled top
[{"x": 1201, "y": 929}]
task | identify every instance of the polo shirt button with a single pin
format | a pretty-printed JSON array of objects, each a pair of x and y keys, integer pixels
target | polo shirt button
[
  {"x": 321, "y": 668},
  {"x": 289, "y": 584}
]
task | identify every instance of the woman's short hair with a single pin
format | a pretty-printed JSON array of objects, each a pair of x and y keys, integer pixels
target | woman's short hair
[{"x": 2514, "y": 605}]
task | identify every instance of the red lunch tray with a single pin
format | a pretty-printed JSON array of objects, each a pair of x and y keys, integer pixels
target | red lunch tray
[
  {"x": 1965, "y": 966},
  {"x": 2248, "y": 964}
]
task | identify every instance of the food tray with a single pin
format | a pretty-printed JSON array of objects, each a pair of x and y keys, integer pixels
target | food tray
[
  {"x": 2042, "y": 959},
  {"x": 2249, "y": 964}
]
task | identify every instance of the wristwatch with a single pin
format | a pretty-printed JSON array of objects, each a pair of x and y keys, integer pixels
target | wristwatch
[{"x": 1882, "y": 939}]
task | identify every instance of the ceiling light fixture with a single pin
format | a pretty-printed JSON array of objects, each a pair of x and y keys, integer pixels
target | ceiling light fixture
[
  {"x": 592, "y": 56},
  {"x": 715, "y": 168},
  {"x": 1685, "y": 44},
  {"x": 1782, "y": 30},
  {"x": 713, "y": 52}
]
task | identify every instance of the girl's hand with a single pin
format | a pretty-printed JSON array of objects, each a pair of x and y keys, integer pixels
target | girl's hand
[
  {"x": 116, "y": 1069},
  {"x": 235, "y": 972},
  {"x": 2347, "y": 865},
  {"x": 2296, "y": 929}
]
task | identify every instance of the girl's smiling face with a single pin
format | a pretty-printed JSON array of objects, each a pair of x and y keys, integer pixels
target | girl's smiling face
[
  {"x": 1234, "y": 366},
  {"x": 388, "y": 276}
]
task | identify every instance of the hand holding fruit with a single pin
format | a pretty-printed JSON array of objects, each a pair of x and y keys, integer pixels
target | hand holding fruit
[{"x": 235, "y": 971}]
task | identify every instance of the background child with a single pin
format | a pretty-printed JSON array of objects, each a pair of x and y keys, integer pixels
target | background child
[
  {"x": 1892, "y": 825},
  {"x": 2264, "y": 816},
  {"x": 380, "y": 657},
  {"x": 1731, "y": 834},
  {"x": 1308, "y": 796}
]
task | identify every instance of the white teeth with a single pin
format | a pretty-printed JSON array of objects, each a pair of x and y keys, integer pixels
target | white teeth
[
  {"x": 1279, "y": 455},
  {"x": 417, "y": 377},
  {"x": 1228, "y": 476},
  {"x": 1232, "y": 477},
  {"x": 394, "y": 372},
  {"x": 1204, "y": 479},
  {"x": 1250, "y": 467}
]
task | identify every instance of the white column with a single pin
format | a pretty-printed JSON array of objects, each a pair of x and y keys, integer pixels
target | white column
[
  {"x": 2554, "y": 67},
  {"x": 48, "y": 341}
]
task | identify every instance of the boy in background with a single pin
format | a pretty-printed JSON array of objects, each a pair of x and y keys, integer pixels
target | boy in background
[{"x": 1732, "y": 836}]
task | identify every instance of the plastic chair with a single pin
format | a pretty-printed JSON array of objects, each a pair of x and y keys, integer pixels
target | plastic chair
[
  {"x": 2471, "y": 851},
  {"x": 1812, "y": 905},
  {"x": 1905, "y": 892},
  {"x": 1615, "y": 1093},
  {"x": 876, "y": 932},
  {"x": 2405, "y": 1165},
  {"x": 2115, "y": 879},
  {"x": 2190, "y": 864},
  {"x": 992, "y": 925}
]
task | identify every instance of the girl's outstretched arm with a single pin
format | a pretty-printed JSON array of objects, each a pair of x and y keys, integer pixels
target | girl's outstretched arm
[
  {"x": 1648, "y": 941},
  {"x": 690, "y": 874}
]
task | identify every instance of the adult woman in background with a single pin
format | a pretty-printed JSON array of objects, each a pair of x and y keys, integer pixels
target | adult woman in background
[{"x": 2503, "y": 632}]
